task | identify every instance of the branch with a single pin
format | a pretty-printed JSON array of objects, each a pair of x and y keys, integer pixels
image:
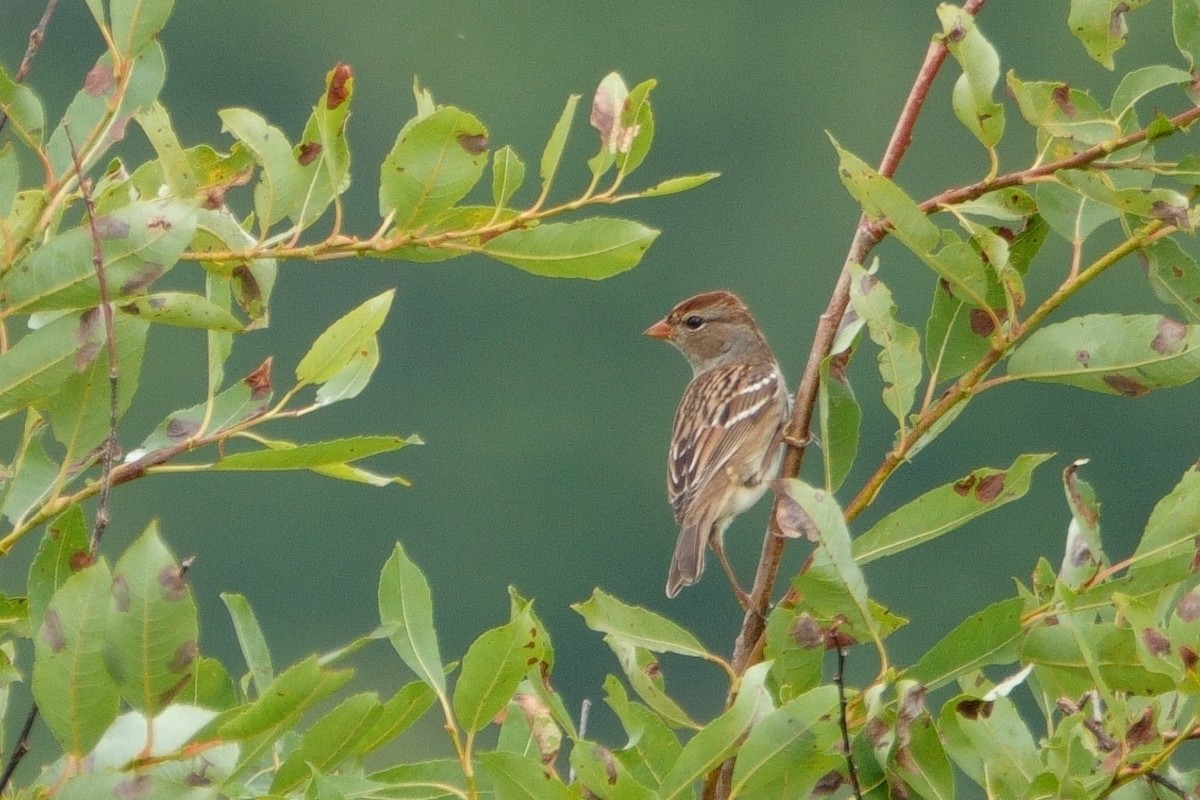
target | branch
[
  {"x": 110, "y": 444},
  {"x": 35, "y": 41},
  {"x": 798, "y": 434}
]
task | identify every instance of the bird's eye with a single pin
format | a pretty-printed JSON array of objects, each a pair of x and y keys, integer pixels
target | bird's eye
[{"x": 694, "y": 322}]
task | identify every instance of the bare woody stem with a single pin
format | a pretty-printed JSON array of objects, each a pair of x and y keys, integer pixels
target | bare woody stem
[{"x": 35, "y": 42}]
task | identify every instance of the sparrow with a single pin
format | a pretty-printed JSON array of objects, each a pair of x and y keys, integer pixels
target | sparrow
[{"x": 727, "y": 440}]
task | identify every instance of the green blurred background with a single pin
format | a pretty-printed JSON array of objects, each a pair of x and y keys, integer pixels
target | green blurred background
[{"x": 545, "y": 411}]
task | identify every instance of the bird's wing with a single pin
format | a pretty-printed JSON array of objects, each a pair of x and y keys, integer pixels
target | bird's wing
[{"x": 715, "y": 419}]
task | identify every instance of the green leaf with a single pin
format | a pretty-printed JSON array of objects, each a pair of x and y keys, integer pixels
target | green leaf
[
  {"x": 182, "y": 309},
  {"x": 308, "y": 456},
  {"x": 135, "y": 23},
  {"x": 719, "y": 739},
  {"x": 406, "y": 607},
  {"x": 1174, "y": 277},
  {"x": 342, "y": 342},
  {"x": 992, "y": 636},
  {"x": 552, "y": 152},
  {"x": 277, "y": 710},
  {"x": 508, "y": 173},
  {"x": 517, "y": 777},
  {"x": 1071, "y": 658},
  {"x": 676, "y": 185},
  {"x": 139, "y": 243},
  {"x": 1059, "y": 111},
  {"x": 1071, "y": 214},
  {"x": 796, "y": 649},
  {"x": 1083, "y": 554},
  {"x": 638, "y": 626},
  {"x": 433, "y": 164},
  {"x": 637, "y": 122},
  {"x": 841, "y": 417},
  {"x": 399, "y": 713},
  {"x": 946, "y": 508},
  {"x": 251, "y": 641},
  {"x": 23, "y": 109},
  {"x": 1100, "y": 26},
  {"x": 282, "y": 185},
  {"x": 177, "y": 171},
  {"x": 35, "y": 475},
  {"x": 899, "y": 356},
  {"x": 424, "y": 780},
  {"x": 80, "y": 412},
  {"x": 244, "y": 400},
  {"x": 494, "y": 665},
  {"x": 95, "y": 106},
  {"x": 601, "y": 774},
  {"x": 38, "y": 365},
  {"x": 790, "y": 749},
  {"x": 972, "y": 96},
  {"x": 1007, "y": 205},
  {"x": 833, "y": 584},
  {"x": 594, "y": 248},
  {"x": 652, "y": 748},
  {"x": 1185, "y": 24},
  {"x": 250, "y": 281},
  {"x": 153, "y": 636},
  {"x": 1118, "y": 354},
  {"x": 323, "y": 152},
  {"x": 884, "y": 201},
  {"x": 646, "y": 677},
  {"x": 350, "y": 380},
  {"x": 988, "y": 740},
  {"x": 75, "y": 694},
  {"x": 330, "y": 741},
  {"x": 61, "y": 553},
  {"x": 10, "y": 178},
  {"x": 1140, "y": 82},
  {"x": 918, "y": 756},
  {"x": 1167, "y": 550}
]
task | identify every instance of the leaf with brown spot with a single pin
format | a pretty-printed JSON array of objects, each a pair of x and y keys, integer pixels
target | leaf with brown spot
[
  {"x": 1170, "y": 335},
  {"x": 473, "y": 143},
  {"x": 71, "y": 681},
  {"x": 1189, "y": 657},
  {"x": 1143, "y": 731},
  {"x": 1119, "y": 354},
  {"x": 989, "y": 487},
  {"x": 1188, "y": 607},
  {"x": 99, "y": 81},
  {"x": 1061, "y": 95},
  {"x": 59, "y": 275},
  {"x": 947, "y": 508},
  {"x": 1123, "y": 384},
  {"x": 1155, "y": 642},
  {"x": 431, "y": 167},
  {"x": 152, "y": 633},
  {"x": 339, "y": 87},
  {"x": 308, "y": 153},
  {"x": 1170, "y": 545}
]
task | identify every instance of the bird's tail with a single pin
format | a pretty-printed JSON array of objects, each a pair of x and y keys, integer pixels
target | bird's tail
[{"x": 687, "y": 565}]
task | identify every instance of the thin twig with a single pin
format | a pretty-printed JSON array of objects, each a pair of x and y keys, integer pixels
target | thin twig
[
  {"x": 839, "y": 678},
  {"x": 110, "y": 444},
  {"x": 35, "y": 41},
  {"x": 20, "y": 748}
]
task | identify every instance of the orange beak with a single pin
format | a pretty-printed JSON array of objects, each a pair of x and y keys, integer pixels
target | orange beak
[{"x": 659, "y": 330}]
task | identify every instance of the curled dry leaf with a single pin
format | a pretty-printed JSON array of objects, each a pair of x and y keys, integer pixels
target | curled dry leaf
[{"x": 607, "y": 108}]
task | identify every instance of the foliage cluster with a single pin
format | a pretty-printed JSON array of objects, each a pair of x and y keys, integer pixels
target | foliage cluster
[{"x": 1106, "y": 650}]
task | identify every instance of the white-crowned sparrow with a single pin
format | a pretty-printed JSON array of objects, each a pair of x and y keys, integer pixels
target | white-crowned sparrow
[{"x": 727, "y": 441}]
